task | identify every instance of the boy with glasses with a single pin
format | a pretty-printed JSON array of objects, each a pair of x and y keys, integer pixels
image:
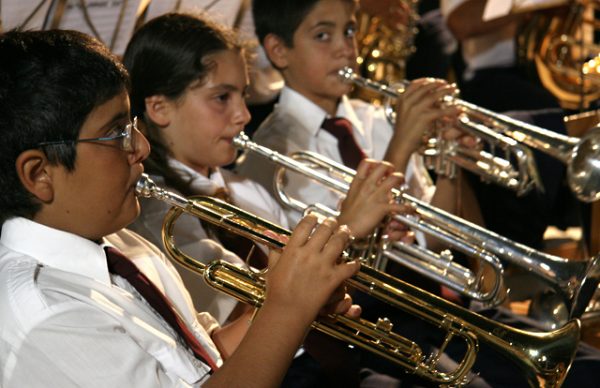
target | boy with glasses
[{"x": 86, "y": 303}]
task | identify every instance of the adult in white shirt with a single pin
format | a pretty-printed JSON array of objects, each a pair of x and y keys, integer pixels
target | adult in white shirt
[
  {"x": 491, "y": 78},
  {"x": 69, "y": 178}
]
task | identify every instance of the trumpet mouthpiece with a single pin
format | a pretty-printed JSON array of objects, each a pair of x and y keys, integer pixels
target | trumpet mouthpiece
[
  {"x": 346, "y": 73},
  {"x": 145, "y": 186},
  {"x": 241, "y": 140}
]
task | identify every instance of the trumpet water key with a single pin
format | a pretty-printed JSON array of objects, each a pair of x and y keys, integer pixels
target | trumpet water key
[{"x": 545, "y": 358}]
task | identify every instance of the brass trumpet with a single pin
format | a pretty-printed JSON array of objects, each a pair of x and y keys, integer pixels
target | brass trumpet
[
  {"x": 443, "y": 156},
  {"x": 573, "y": 282},
  {"x": 559, "y": 46},
  {"x": 544, "y": 357}
]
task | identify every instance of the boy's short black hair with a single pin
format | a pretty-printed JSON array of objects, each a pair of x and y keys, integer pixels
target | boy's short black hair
[
  {"x": 280, "y": 17},
  {"x": 50, "y": 81}
]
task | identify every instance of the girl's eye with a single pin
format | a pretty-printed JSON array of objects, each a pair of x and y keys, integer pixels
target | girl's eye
[
  {"x": 323, "y": 36},
  {"x": 223, "y": 97},
  {"x": 350, "y": 31}
]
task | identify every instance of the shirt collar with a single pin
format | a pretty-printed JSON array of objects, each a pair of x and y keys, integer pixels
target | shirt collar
[
  {"x": 56, "y": 248},
  {"x": 311, "y": 115},
  {"x": 199, "y": 183},
  {"x": 347, "y": 111},
  {"x": 302, "y": 109}
]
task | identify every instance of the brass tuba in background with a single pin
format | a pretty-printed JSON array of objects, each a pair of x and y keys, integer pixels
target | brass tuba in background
[
  {"x": 561, "y": 49},
  {"x": 384, "y": 50}
]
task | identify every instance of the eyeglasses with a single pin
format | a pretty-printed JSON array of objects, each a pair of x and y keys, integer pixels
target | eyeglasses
[{"x": 125, "y": 137}]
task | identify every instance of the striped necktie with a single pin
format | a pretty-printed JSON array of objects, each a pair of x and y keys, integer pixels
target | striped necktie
[
  {"x": 120, "y": 265},
  {"x": 350, "y": 151}
]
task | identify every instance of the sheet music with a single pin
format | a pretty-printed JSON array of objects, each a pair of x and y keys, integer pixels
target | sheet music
[
  {"x": 16, "y": 12},
  {"x": 106, "y": 19},
  {"x": 223, "y": 11},
  {"x": 497, "y": 8},
  {"x": 534, "y": 5}
]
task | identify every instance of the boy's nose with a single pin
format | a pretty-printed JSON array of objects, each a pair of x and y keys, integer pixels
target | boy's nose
[{"x": 348, "y": 49}]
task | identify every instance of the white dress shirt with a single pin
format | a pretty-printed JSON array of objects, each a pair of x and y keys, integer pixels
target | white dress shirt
[
  {"x": 67, "y": 322},
  {"x": 493, "y": 49},
  {"x": 295, "y": 125},
  {"x": 191, "y": 237}
]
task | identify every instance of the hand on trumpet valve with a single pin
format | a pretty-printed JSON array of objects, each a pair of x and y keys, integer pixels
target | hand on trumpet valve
[
  {"x": 340, "y": 302},
  {"x": 369, "y": 199},
  {"x": 397, "y": 231},
  {"x": 418, "y": 110},
  {"x": 310, "y": 266},
  {"x": 460, "y": 137}
]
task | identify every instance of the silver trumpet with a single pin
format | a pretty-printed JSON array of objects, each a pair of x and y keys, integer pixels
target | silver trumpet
[
  {"x": 545, "y": 358},
  {"x": 443, "y": 156},
  {"x": 437, "y": 266},
  {"x": 572, "y": 282},
  {"x": 580, "y": 155}
]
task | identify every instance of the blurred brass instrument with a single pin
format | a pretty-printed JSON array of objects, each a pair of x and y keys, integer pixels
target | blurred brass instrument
[
  {"x": 545, "y": 358},
  {"x": 559, "y": 47},
  {"x": 581, "y": 155},
  {"x": 383, "y": 50},
  {"x": 572, "y": 283}
]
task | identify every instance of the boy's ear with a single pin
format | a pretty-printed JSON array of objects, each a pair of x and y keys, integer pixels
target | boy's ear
[
  {"x": 35, "y": 173},
  {"x": 158, "y": 109},
  {"x": 276, "y": 51}
]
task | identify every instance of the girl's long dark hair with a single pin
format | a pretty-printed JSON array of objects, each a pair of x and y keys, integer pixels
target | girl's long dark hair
[{"x": 164, "y": 57}]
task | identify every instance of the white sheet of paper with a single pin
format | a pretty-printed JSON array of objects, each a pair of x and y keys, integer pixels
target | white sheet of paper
[
  {"x": 496, "y": 8},
  {"x": 105, "y": 15},
  {"x": 532, "y": 5},
  {"x": 224, "y": 11},
  {"x": 16, "y": 12}
]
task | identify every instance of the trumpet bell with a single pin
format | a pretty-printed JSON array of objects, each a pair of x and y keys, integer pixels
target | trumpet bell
[{"x": 584, "y": 167}]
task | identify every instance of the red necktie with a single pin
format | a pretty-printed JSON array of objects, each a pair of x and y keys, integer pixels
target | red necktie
[
  {"x": 122, "y": 266},
  {"x": 350, "y": 151}
]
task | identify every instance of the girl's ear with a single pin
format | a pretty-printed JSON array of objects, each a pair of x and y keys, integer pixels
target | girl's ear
[
  {"x": 276, "y": 51},
  {"x": 158, "y": 109},
  {"x": 36, "y": 173}
]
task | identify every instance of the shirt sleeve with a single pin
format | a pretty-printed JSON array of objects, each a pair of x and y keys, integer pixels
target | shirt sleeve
[
  {"x": 448, "y": 6},
  {"x": 83, "y": 347}
]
